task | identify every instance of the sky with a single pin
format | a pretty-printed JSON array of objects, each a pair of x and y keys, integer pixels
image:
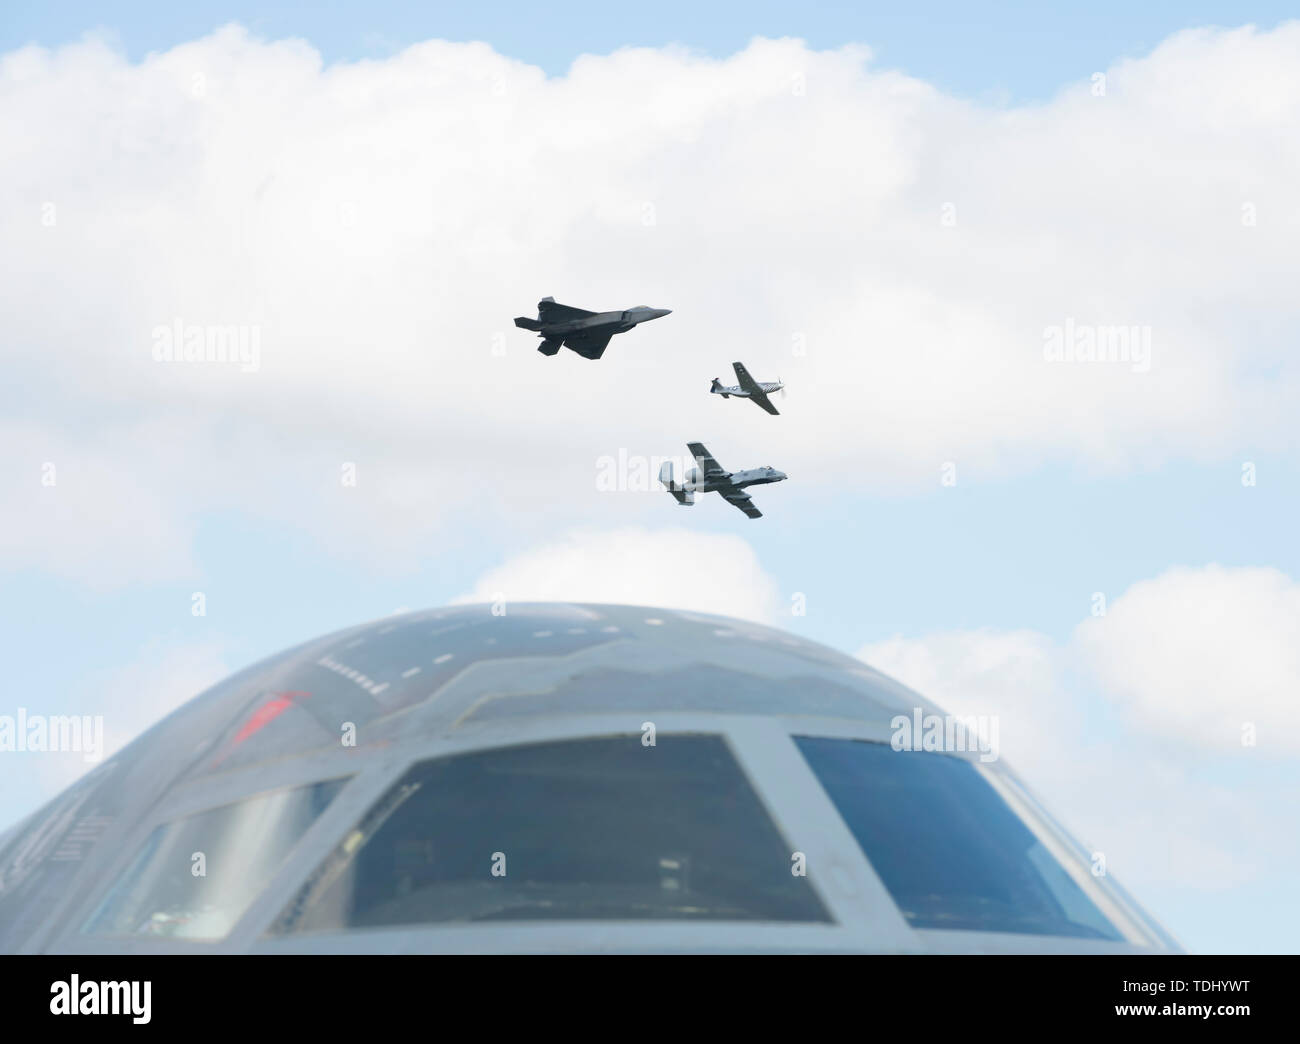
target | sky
[
  {"x": 903, "y": 213},
  {"x": 994, "y": 52}
]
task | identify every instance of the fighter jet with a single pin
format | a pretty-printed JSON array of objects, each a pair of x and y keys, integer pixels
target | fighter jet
[
  {"x": 586, "y": 333},
  {"x": 712, "y": 477},
  {"x": 748, "y": 389}
]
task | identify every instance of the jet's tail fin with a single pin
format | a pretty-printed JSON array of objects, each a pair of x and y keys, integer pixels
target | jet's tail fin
[
  {"x": 683, "y": 496},
  {"x": 524, "y": 323},
  {"x": 716, "y": 385},
  {"x": 550, "y": 346}
]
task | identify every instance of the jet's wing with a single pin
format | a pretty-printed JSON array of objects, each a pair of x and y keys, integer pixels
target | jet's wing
[
  {"x": 755, "y": 389},
  {"x": 742, "y": 500},
  {"x": 709, "y": 467},
  {"x": 589, "y": 346},
  {"x": 550, "y": 312}
]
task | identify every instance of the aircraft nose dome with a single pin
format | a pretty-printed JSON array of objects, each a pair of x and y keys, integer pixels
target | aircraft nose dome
[{"x": 549, "y": 776}]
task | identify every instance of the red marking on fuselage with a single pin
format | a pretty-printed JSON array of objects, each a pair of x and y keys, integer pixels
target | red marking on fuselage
[{"x": 261, "y": 717}]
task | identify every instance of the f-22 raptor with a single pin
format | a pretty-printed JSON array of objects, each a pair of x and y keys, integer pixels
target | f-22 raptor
[
  {"x": 712, "y": 477},
  {"x": 586, "y": 333},
  {"x": 748, "y": 388}
]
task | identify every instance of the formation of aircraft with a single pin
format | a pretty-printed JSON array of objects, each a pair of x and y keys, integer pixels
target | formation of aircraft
[{"x": 589, "y": 333}]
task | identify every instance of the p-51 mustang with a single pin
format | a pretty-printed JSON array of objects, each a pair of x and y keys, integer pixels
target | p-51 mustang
[
  {"x": 711, "y": 477},
  {"x": 586, "y": 333},
  {"x": 749, "y": 388}
]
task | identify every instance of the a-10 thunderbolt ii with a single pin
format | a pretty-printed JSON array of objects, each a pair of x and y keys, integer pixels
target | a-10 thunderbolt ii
[
  {"x": 586, "y": 333},
  {"x": 711, "y": 477},
  {"x": 748, "y": 388}
]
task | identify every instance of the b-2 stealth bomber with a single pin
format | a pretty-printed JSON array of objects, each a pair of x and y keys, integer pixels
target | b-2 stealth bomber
[
  {"x": 712, "y": 477},
  {"x": 748, "y": 388},
  {"x": 586, "y": 333}
]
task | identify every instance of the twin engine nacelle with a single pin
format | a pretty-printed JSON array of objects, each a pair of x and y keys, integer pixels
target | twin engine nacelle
[{"x": 693, "y": 480}]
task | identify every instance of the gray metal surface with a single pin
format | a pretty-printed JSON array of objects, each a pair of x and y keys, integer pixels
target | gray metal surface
[
  {"x": 454, "y": 680},
  {"x": 586, "y": 333}
]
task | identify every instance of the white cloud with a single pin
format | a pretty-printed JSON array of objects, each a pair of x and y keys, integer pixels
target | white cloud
[
  {"x": 381, "y": 222},
  {"x": 1008, "y": 674},
  {"x": 1199, "y": 653},
  {"x": 669, "y": 568}
]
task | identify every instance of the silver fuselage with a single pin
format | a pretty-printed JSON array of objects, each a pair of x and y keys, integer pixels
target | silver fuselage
[
  {"x": 736, "y": 390},
  {"x": 697, "y": 483}
]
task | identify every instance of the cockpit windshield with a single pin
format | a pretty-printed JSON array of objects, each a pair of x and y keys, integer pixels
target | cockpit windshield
[
  {"x": 591, "y": 829},
  {"x": 951, "y": 852},
  {"x": 196, "y": 877}
]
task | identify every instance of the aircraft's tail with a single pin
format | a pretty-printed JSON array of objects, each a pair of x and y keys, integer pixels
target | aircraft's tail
[
  {"x": 524, "y": 323},
  {"x": 684, "y": 497},
  {"x": 550, "y": 346},
  {"x": 716, "y": 386}
]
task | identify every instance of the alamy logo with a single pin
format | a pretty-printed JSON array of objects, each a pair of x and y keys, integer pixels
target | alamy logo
[
  {"x": 1087, "y": 343},
  {"x": 53, "y": 734},
  {"x": 946, "y": 732},
  {"x": 634, "y": 473},
  {"x": 102, "y": 998},
  {"x": 191, "y": 342}
]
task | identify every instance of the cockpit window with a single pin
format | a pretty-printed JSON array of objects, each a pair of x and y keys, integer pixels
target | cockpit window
[
  {"x": 585, "y": 829},
  {"x": 950, "y": 851},
  {"x": 196, "y": 877}
]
